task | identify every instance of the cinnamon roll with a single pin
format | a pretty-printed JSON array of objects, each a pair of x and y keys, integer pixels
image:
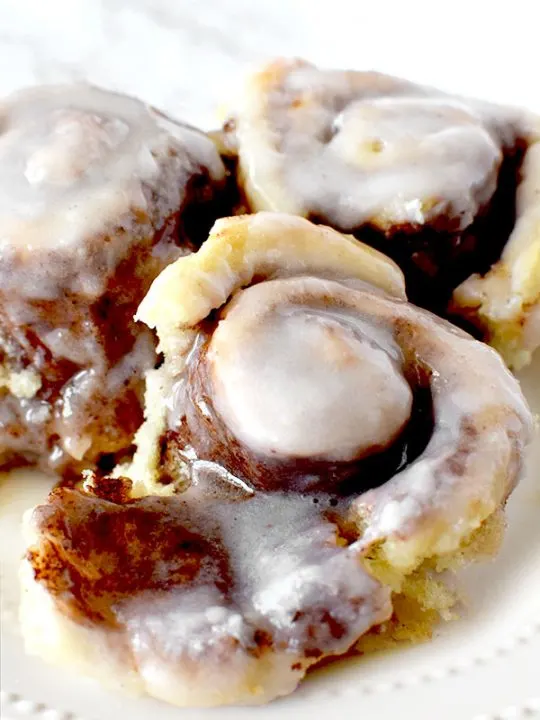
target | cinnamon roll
[
  {"x": 445, "y": 185},
  {"x": 315, "y": 450},
  {"x": 99, "y": 193}
]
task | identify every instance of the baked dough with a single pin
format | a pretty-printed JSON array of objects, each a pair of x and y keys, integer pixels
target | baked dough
[{"x": 316, "y": 449}]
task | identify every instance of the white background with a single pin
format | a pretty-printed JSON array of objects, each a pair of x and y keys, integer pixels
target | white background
[{"x": 187, "y": 55}]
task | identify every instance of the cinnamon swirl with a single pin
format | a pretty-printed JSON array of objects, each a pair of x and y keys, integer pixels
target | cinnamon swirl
[
  {"x": 445, "y": 185},
  {"x": 315, "y": 449}
]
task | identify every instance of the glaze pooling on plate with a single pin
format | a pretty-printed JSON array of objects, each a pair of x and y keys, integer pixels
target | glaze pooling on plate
[
  {"x": 272, "y": 547},
  {"x": 99, "y": 193},
  {"x": 445, "y": 185}
]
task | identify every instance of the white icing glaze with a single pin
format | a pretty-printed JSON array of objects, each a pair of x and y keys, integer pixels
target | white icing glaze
[
  {"x": 77, "y": 162},
  {"x": 357, "y": 147},
  {"x": 290, "y": 580},
  {"x": 290, "y": 564},
  {"x": 481, "y": 420},
  {"x": 290, "y": 575},
  {"x": 74, "y": 160},
  {"x": 98, "y": 381},
  {"x": 284, "y": 559},
  {"x": 481, "y": 425},
  {"x": 186, "y": 623},
  {"x": 79, "y": 141},
  {"x": 423, "y": 157},
  {"x": 288, "y": 383},
  {"x": 93, "y": 190}
]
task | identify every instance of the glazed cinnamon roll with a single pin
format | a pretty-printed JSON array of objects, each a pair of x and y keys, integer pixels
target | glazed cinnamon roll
[
  {"x": 446, "y": 186},
  {"x": 99, "y": 194},
  {"x": 315, "y": 449}
]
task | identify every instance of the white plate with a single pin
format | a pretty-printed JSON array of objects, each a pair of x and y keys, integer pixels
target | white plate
[
  {"x": 484, "y": 666},
  {"x": 185, "y": 57}
]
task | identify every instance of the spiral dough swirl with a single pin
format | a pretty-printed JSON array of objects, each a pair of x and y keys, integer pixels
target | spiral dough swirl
[{"x": 305, "y": 418}]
